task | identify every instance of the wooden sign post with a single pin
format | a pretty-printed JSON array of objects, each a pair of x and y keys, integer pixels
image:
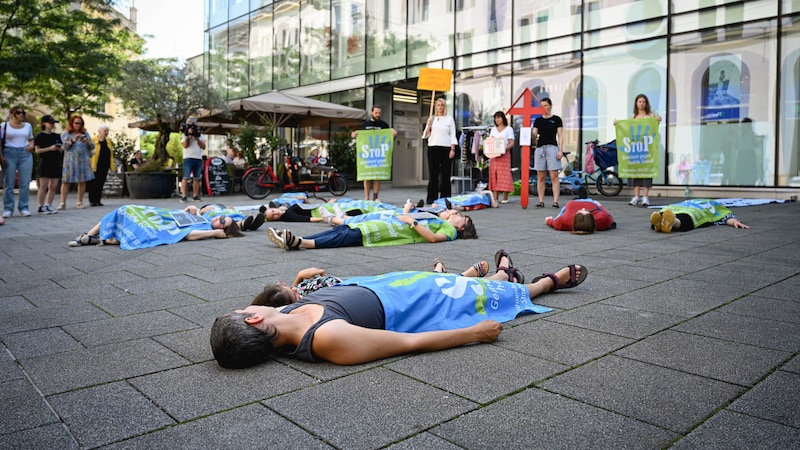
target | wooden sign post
[
  {"x": 434, "y": 80},
  {"x": 526, "y": 110}
]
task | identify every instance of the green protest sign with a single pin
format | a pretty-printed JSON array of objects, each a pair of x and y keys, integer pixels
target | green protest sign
[
  {"x": 637, "y": 147},
  {"x": 374, "y": 154}
]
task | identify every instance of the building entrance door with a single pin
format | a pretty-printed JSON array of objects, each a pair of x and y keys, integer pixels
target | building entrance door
[{"x": 406, "y": 118}]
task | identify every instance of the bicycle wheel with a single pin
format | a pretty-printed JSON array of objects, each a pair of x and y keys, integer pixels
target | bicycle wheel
[
  {"x": 337, "y": 185},
  {"x": 252, "y": 188},
  {"x": 608, "y": 183}
]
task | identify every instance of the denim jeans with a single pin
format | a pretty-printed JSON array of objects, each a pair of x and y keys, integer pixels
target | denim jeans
[
  {"x": 338, "y": 236},
  {"x": 18, "y": 161}
]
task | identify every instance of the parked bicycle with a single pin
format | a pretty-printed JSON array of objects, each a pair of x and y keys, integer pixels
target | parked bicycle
[
  {"x": 599, "y": 174},
  {"x": 258, "y": 182}
]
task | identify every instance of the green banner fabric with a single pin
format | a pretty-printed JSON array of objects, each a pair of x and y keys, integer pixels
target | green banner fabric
[
  {"x": 637, "y": 147},
  {"x": 374, "y": 154}
]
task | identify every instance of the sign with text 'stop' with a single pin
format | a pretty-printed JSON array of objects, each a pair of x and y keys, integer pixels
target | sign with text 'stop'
[{"x": 434, "y": 79}]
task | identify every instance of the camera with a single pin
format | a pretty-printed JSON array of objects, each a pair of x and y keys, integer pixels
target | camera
[{"x": 190, "y": 129}]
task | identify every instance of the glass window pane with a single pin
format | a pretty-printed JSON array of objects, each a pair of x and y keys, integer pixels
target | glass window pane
[
  {"x": 314, "y": 39},
  {"x": 626, "y": 33},
  {"x": 237, "y": 8},
  {"x": 217, "y": 12},
  {"x": 791, "y": 6},
  {"x": 217, "y": 64},
  {"x": 788, "y": 160},
  {"x": 479, "y": 93},
  {"x": 347, "y": 38},
  {"x": 261, "y": 51},
  {"x": 286, "y": 45},
  {"x": 386, "y": 34},
  {"x": 723, "y": 127},
  {"x": 482, "y": 25},
  {"x": 556, "y": 46},
  {"x": 724, "y": 15},
  {"x": 238, "y": 44},
  {"x": 609, "y": 13},
  {"x": 538, "y": 20},
  {"x": 430, "y": 31}
]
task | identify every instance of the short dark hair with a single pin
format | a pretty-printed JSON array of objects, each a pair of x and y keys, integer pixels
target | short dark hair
[
  {"x": 236, "y": 344},
  {"x": 374, "y": 107},
  {"x": 233, "y": 230},
  {"x": 583, "y": 224},
  {"x": 272, "y": 295},
  {"x": 546, "y": 99}
]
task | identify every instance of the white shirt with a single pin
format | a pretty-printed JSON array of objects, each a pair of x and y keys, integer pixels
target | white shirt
[
  {"x": 193, "y": 150},
  {"x": 443, "y": 132},
  {"x": 507, "y": 134},
  {"x": 16, "y": 137}
]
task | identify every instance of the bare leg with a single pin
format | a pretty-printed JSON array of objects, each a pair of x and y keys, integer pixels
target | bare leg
[
  {"x": 366, "y": 189},
  {"x": 376, "y": 187},
  {"x": 556, "y": 185},
  {"x": 184, "y": 186},
  {"x": 541, "y": 178},
  {"x": 81, "y": 191},
  {"x": 545, "y": 284},
  {"x": 196, "y": 188},
  {"x": 64, "y": 192},
  {"x": 44, "y": 184},
  {"x": 51, "y": 191}
]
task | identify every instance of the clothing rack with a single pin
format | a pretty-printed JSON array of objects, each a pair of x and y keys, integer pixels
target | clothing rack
[{"x": 464, "y": 182}]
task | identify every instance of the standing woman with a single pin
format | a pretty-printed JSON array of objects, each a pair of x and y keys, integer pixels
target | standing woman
[
  {"x": 641, "y": 110},
  {"x": 78, "y": 151},
  {"x": 102, "y": 162},
  {"x": 51, "y": 155},
  {"x": 500, "y": 179},
  {"x": 17, "y": 138},
  {"x": 441, "y": 133},
  {"x": 547, "y": 130}
]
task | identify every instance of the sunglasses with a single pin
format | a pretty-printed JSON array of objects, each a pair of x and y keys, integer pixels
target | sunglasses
[
  {"x": 19, "y": 112},
  {"x": 222, "y": 220}
]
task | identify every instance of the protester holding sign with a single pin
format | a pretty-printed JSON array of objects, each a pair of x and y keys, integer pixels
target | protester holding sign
[
  {"x": 641, "y": 110},
  {"x": 546, "y": 134},
  {"x": 440, "y": 130},
  {"x": 500, "y": 179},
  {"x": 374, "y": 162}
]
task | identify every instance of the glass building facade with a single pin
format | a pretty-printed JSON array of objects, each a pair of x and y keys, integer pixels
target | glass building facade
[{"x": 723, "y": 75}]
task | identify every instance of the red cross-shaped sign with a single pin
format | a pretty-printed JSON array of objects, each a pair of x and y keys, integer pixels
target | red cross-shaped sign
[{"x": 526, "y": 111}]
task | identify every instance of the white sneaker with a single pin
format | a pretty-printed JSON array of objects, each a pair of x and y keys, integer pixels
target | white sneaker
[
  {"x": 634, "y": 201},
  {"x": 645, "y": 201},
  {"x": 25, "y": 213},
  {"x": 50, "y": 209},
  {"x": 7, "y": 214},
  {"x": 327, "y": 216}
]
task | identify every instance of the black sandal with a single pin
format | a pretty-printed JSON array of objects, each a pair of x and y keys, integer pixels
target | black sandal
[
  {"x": 514, "y": 275},
  {"x": 540, "y": 205},
  {"x": 555, "y": 205},
  {"x": 498, "y": 256}
]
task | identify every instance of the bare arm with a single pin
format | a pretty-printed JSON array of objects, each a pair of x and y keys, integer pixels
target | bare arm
[
  {"x": 305, "y": 274},
  {"x": 198, "y": 235},
  {"x": 343, "y": 343},
  {"x": 422, "y": 230}
]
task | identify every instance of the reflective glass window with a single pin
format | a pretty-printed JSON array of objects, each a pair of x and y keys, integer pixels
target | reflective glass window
[
  {"x": 217, "y": 63},
  {"x": 479, "y": 93},
  {"x": 386, "y": 34},
  {"x": 314, "y": 41},
  {"x": 430, "y": 31},
  {"x": 482, "y": 25},
  {"x": 789, "y": 146},
  {"x": 238, "y": 46},
  {"x": 609, "y": 13},
  {"x": 348, "y": 38},
  {"x": 261, "y": 51},
  {"x": 238, "y": 8},
  {"x": 722, "y": 123},
  {"x": 216, "y": 12},
  {"x": 286, "y": 45},
  {"x": 537, "y": 20}
]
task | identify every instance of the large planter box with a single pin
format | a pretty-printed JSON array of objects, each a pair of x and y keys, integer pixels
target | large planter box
[{"x": 151, "y": 184}]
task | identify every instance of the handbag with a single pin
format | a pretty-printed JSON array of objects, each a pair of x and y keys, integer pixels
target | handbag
[
  {"x": 3, "y": 161},
  {"x": 494, "y": 147}
]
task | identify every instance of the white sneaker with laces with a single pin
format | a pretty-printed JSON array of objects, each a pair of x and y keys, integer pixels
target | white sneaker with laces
[
  {"x": 634, "y": 201},
  {"x": 645, "y": 201},
  {"x": 25, "y": 213},
  {"x": 7, "y": 214},
  {"x": 50, "y": 209}
]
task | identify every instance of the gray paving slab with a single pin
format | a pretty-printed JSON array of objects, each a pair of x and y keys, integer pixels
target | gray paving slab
[
  {"x": 103, "y": 414},
  {"x": 686, "y": 338},
  {"x": 657, "y": 395},
  {"x": 380, "y": 407},
  {"x": 712, "y": 358},
  {"x": 537, "y": 419}
]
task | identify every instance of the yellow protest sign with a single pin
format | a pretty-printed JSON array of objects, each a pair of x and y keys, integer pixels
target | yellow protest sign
[{"x": 434, "y": 79}]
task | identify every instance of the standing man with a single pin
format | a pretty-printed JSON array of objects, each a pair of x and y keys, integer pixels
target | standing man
[
  {"x": 373, "y": 123},
  {"x": 102, "y": 162},
  {"x": 193, "y": 145}
]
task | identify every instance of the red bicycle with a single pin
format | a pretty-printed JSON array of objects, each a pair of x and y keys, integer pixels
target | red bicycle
[{"x": 258, "y": 182}]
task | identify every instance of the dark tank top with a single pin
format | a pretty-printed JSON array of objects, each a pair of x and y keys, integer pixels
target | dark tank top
[{"x": 354, "y": 304}]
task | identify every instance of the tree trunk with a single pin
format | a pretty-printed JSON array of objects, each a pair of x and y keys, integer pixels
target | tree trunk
[{"x": 164, "y": 131}]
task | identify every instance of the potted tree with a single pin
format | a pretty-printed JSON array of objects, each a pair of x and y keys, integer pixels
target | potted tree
[{"x": 165, "y": 95}]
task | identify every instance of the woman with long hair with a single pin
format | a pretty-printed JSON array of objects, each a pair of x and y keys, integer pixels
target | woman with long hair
[
  {"x": 17, "y": 137},
  {"x": 440, "y": 130},
  {"x": 78, "y": 151}
]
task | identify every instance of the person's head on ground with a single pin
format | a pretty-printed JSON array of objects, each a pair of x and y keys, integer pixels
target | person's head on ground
[
  {"x": 273, "y": 214},
  {"x": 376, "y": 113},
  {"x": 276, "y": 294},
  {"x": 223, "y": 222},
  {"x": 244, "y": 337},
  {"x": 465, "y": 228},
  {"x": 500, "y": 118},
  {"x": 583, "y": 222},
  {"x": 641, "y": 103}
]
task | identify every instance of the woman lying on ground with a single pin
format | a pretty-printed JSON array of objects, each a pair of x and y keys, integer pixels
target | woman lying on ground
[
  {"x": 313, "y": 279},
  {"x": 136, "y": 226},
  {"x": 691, "y": 214},
  {"x": 582, "y": 216},
  {"x": 388, "y": 229},
  {"x": 470, "y": 201},
  {"x": 371, "y": 318},
  {"x": 249, "y": 223}
]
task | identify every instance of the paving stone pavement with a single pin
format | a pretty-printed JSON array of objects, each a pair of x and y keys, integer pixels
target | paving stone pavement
[{"x": 684, "y": 339}]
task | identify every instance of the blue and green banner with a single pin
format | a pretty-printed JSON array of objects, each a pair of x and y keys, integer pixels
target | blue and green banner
[
  {"x": 637, "y": 147},
  {"x": 374, "y": 154}
]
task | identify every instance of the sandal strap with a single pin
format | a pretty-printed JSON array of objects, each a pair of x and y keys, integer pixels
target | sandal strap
[
  {"x": 436, "y": 262},
  {"x": 482, "y": 267}
]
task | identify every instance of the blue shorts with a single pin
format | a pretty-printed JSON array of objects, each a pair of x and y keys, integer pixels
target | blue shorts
[
  {"x": 192, "y": 168},
  {"x": 545, "y": 158}
]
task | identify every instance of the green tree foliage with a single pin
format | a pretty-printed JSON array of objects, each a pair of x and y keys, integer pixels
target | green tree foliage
[
  {"x": 62, "y": 54},
  {"x": 167, "y": 94}
]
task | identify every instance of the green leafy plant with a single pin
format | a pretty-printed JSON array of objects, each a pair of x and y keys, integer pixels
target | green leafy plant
[
  {"x": 342, "y": 152},
  {"x": 124, "y": 147}
]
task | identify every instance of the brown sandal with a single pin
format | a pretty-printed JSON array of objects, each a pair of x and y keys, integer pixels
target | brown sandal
[{"x": 571, "y": 283}]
